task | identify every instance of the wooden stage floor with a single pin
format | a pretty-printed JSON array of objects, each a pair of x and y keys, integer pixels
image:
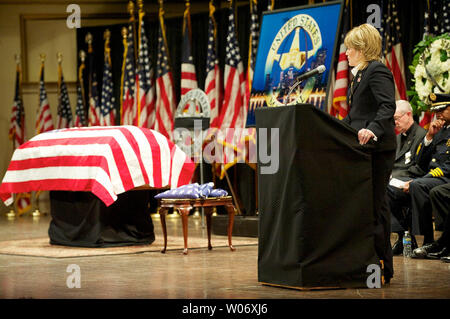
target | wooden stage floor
[{"x": 202, "y": 274}]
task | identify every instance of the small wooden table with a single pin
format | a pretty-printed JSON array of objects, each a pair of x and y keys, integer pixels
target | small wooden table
[{"x": 185, "y": 205}]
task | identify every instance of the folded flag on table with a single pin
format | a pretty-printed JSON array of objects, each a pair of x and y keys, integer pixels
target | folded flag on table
[{"x": 193, "y": 191}]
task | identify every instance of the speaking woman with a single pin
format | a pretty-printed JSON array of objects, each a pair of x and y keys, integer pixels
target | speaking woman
[{"x": 371, "y": 98}]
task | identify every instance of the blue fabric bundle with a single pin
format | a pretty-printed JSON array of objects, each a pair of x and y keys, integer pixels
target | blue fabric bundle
[{"x": 193, "y": 191}]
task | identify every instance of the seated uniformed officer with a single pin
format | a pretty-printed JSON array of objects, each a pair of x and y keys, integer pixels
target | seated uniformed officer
[
  {"x": 436, "y": 152},
  {"x": 432, "y": 157},
  {"x": 440, "y": 200}
]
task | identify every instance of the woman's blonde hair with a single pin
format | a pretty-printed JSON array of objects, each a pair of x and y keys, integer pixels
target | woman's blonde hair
[{"x": 366, "y": 39}]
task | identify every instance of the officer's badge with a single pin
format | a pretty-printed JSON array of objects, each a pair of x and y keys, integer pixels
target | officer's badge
[
  {"x": 432, "y": 97},
  {"x": 448, "y": 142}
]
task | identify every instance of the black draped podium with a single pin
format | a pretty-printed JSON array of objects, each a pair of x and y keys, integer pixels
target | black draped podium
[
  {"x": 316, "y": 222},
  {"x": 81, "y": 219}
]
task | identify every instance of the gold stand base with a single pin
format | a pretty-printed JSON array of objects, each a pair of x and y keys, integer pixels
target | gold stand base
[{"x": 11, "y": 214}]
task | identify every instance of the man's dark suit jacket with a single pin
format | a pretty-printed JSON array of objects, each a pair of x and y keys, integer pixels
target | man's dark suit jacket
[
  {"x": 372, "y": 97},
  {"x": 405, "y": 156}
]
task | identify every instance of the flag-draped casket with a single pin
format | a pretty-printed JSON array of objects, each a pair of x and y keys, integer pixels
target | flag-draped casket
[
  {"x": 316, "y": 222},
  {"x": 103, "y": 161}
]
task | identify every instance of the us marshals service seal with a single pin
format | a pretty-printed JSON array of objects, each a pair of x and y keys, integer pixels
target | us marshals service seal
[{"x": 294, "y": 58}]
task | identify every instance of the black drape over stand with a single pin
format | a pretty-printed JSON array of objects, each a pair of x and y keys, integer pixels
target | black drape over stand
[
  {"x": 316, "y": 221},
  {"x": 81, "y": 219}
]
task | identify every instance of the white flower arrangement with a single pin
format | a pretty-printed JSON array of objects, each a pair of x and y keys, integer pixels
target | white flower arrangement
[{"x": 430, "y": 67}]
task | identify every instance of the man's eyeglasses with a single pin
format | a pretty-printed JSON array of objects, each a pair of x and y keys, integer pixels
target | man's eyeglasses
[{"x": 396, "y": 118}]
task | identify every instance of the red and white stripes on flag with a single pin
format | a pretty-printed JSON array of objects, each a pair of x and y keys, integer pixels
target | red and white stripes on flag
[
  {"x": 393, "y": 52},
  {"x": 213, "y": 74},
  {"x": 339, "y": 107},
  {"x": 188, "y": 75},
  {"x": 17, "y": 135},
  {"x": 146, "y": 87},
  {"x": 165, "y": 95},
  {"x": 17, "y": 123},
  {"x": 106, "y": 161},
  {"x": 44, "y": 120},
  {"x": 233, "y": 113}
]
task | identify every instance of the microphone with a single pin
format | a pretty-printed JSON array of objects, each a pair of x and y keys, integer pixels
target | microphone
[{"x": 307, "y": 75}]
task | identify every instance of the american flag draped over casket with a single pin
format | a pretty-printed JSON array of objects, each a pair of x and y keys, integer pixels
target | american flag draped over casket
[{"x": 106, "y": 161}]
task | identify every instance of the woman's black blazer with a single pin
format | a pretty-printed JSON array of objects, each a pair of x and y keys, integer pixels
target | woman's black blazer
[{"x": 372, "y": 104}]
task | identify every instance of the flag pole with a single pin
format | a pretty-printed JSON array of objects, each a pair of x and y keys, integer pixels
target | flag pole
[
  {"x": 37, "y": 213},
  {"x": 141, "y": 14},
  {"x": 125, "y": 49},
  {"x": 58, "y": 111},
  {"x": 236, "y": 203},
  {"x": 12, "y": 213}
]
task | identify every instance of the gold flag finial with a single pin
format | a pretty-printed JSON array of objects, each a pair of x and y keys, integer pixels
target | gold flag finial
[
  {"x": 124, "y": 32},
  {"x": 140, "y": 5},
  {"x": 88, "y": 40},
  {"x": 42, "y": 56},
  {"x": 59, "y": 57},
  {"x": 212, "y": 9},
  {"x": 107, "y": 35},
  {"x": 82, "y": 55},
  {"x": 17, "y": 58},
  {"x": 131, "y": 10}
]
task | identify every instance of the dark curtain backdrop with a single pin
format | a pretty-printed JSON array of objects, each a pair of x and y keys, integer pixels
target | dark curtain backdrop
[{"x": 411, "y": 17}]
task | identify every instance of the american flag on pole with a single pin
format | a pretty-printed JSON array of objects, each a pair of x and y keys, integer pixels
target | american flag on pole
[
  {"x": 188, "y": 75},
  {"x": 129, "y": 112},
  {"x": 393, "y": 52},
  {"x": 106, "y": 161},
  {"x": 165, "y": 100},
  {"x": 80, "y": 115},
  {"x": 147, "y": 95},
  {"x": 17, "y": 124},
  {"x": 17, "y": 135},
  {"x": 234, "y": 112},
  {"x": 252, "y": 50},
  {"x": 107, "y": 111},
  {"x": 64, "y": 118},
  {"x": 44, "y": 120},
  {"x": 212, "y": 81},
  {"x": 339, "y": 106},
  {"x": 94, "y": 106}
]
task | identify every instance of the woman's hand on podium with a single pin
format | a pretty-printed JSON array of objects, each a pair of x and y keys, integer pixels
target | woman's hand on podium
[{"x": 364, "y": 136}]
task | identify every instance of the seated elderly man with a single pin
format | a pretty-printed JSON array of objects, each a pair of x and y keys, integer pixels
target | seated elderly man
[
  {"x": 433, "y": 157},
  {"x": 409, "y": 136}
]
